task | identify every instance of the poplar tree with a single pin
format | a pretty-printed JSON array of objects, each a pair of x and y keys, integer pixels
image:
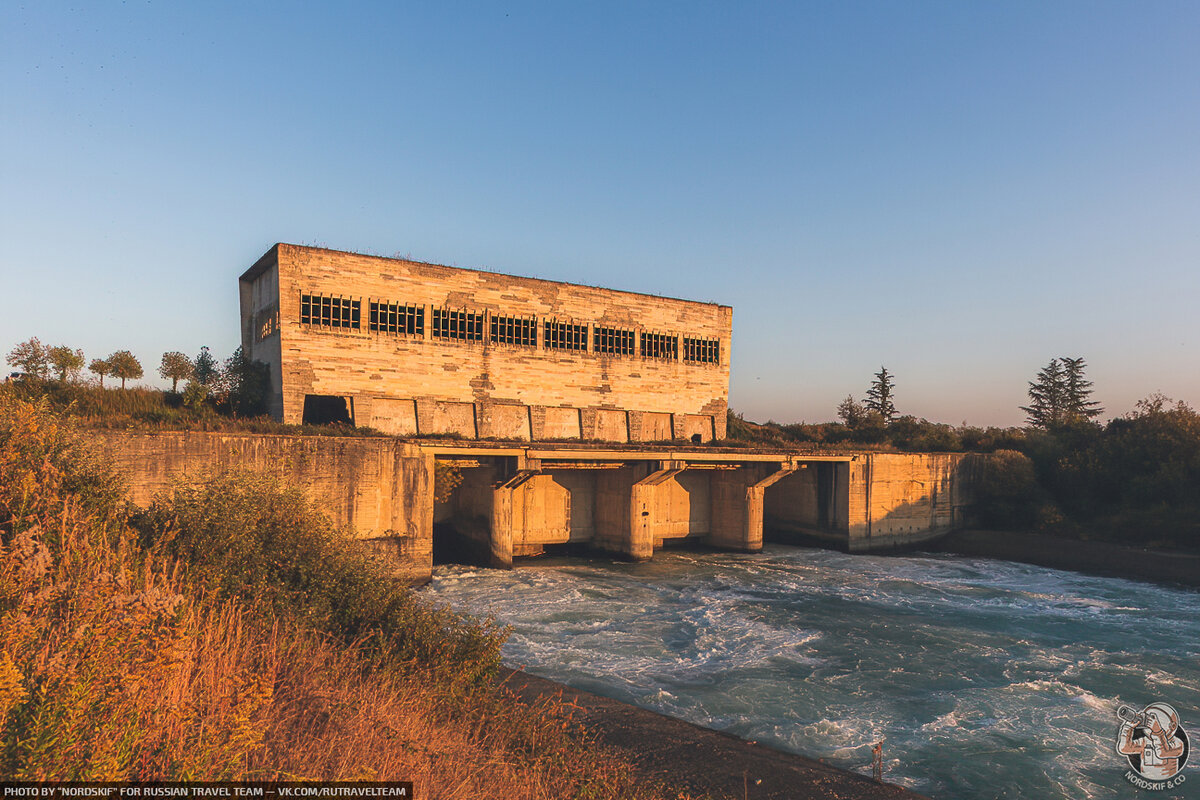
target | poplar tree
[{"x": 880, "y": 396}]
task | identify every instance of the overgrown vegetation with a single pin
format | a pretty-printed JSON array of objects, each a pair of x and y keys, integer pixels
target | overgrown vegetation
[
  {"x": 230, "y": 632},
  {"x": 237, "y": 389},
  {"x": 152, "y": 409},
  {"x": 1135, "y": 479},
  {"x": 868, "y": 432}
]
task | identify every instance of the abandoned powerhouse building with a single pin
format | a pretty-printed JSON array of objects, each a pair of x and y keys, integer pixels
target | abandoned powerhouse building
[
  {"x": 411, "y": 348},
  {"x": 577, "y": 416}
]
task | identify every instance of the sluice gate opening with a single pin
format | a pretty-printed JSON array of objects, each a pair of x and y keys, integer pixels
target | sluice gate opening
[
  {"x": 810, "y": 507},
  {"x": 492, "y": 509}
]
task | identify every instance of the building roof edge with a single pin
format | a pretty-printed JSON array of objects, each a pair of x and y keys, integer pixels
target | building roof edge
[{"x": 261, "y": 265}]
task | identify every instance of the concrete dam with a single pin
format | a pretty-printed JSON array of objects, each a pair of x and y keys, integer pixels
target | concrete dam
[{"x": 491, "y": 502}]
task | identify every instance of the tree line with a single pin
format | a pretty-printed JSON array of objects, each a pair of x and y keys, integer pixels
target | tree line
[
  {"x": 237, "y": 385},
  {"x": 1134, "y": 478}
]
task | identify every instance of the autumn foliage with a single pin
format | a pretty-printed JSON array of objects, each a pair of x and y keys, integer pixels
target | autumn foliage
[{"x": 132, "y": 647}]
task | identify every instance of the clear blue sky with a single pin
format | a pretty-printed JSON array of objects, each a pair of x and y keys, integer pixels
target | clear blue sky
[{"x": 957, "y": 190}]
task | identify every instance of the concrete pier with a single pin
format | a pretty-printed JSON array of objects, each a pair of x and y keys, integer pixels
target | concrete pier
[{"x": 633, "y": 502}]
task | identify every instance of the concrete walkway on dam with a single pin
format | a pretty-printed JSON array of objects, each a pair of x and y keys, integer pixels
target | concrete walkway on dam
[{"x": 687, "y": 757}]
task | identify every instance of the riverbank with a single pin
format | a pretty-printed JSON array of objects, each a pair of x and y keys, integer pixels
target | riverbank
[
  {"x": 687, "y": 757},
  {"x": 1093, "y": 558}
]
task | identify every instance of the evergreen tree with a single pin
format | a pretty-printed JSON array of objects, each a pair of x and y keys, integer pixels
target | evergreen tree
[
  {"x": 880, "y": 396},
  {"x": 1047, "y": 397},
  {"x": 1077, "y": 407},
  {"x": 1061, "y": 395},
  {"x": 205, "y": 370}
]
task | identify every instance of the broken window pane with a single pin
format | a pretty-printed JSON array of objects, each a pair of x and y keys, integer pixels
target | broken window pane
[
  {"x": 514, "y": 330},
  {"x": 332, "y": 312},
  {"x": 660, "y": 345},
  {"x": 612, "y": 340},
  {"x": 565, "y": 336},
  {"x": 466, "y": 325},
  {"x": 396, "y": 318},
  {"x": 701, "y": 351}
]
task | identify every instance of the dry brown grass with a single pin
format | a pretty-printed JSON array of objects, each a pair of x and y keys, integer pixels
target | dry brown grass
[{"x": 115, "y": 665}]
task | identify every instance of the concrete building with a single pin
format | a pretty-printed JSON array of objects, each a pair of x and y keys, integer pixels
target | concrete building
[
  {"x": 412, "y": 348},
  {"x": 540, "y": 368}
]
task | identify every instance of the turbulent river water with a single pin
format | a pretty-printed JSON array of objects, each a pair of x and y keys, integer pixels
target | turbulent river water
[{"x": 982, "y": 678}]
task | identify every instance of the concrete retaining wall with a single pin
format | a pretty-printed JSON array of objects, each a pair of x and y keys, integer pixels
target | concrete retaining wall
[{"x": 383, "y": 488}]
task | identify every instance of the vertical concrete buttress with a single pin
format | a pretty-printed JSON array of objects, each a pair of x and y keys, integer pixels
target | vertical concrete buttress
[
  {"x": 737, "y": 506},
  {"x": 645, "y": 510},
  {"x": 507, "y": 519}
]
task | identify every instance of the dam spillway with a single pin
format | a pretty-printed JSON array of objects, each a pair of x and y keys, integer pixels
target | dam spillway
[{"x": 500, "y": 501}]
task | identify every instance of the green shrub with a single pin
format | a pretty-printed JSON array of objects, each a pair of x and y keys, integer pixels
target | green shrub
[{"x": 1007, "y": 494}]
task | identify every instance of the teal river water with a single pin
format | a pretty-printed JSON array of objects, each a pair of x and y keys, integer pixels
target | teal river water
[{"x": 981, "y": 678}]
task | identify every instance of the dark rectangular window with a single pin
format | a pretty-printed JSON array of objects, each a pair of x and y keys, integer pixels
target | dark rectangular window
[
  {"x": 466, "y": 325},
  {"x": 514, "y": 330},
  {"x": 396, "y": 318},
  {"x": 660, "y": 345},
  {"x": 333, "y": 312},
  {"x": 701, "y": 351},
  {"x": 612, "y": 340},
  {"x": 565, "y": 336}
]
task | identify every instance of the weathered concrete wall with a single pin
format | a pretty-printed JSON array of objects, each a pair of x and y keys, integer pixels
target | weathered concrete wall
[
  {"x": 482, "y": 388},
  {"x": 899, "y": 499},
  {"x": 382, "y": 488},
  {"x": 810, "y": 503},
  {"x": 613, "y": 511},
  {"x": 261, "y": 340},
  {"x": 510, "y": 505},
  {"x": 793, "y": 501}
]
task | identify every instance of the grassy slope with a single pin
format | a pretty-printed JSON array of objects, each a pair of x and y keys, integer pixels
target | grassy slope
[{"x": 230, "y": 632}]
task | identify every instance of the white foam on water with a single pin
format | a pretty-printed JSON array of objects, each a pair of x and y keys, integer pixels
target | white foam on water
[{"x": 982, "y": 678}]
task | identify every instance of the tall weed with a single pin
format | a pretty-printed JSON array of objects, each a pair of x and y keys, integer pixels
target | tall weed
[
  {"x": 223, "y": 650},
  {"x": 248, "y": 538}
]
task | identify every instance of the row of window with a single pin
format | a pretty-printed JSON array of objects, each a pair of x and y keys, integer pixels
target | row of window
[{"x": 343, "y": 312}]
